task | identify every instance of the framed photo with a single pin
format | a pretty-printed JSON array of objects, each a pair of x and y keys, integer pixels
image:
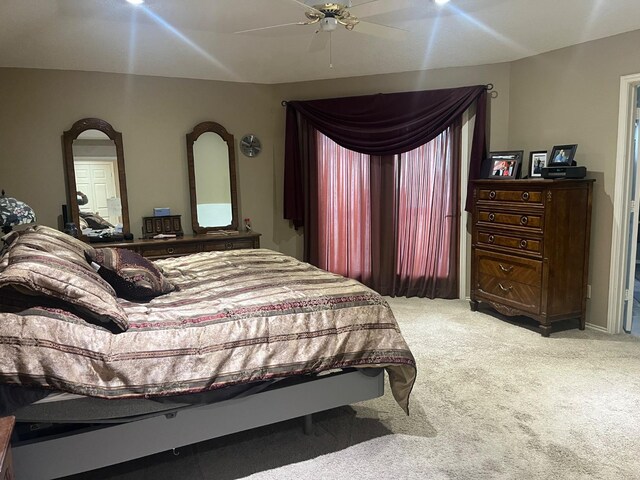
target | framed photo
[
  {"x": 504, "y": 165},
  {"x": 562, "y": 155},
  {"x": 537, "y": 161}
]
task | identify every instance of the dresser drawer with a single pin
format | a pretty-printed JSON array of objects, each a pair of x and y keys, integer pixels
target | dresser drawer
[
  {"x": 508, "y": 267},
  {"x": 170, "y": 250},
  {"x": 511, "y": 293},
  {"x": 520, "y": 243},
  {"x": 518, "y": 195},
  {"x": 228, "y": 244},
  {"x": 511, "y": 219}
]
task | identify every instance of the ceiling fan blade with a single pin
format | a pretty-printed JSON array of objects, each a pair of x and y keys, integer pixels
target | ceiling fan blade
[
  {"x": 382, "y": 31},
  {"x": 378, "y": 7},
  {"x": 309, "y": 7},
  {"x": 273, "y": 26},
  {"x": 319, "y": 41}
]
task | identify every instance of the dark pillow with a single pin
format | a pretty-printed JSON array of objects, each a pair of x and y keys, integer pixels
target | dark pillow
[{"x": 131, "y": 275}]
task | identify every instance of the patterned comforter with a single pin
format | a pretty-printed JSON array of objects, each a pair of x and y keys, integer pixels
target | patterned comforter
[{"x": 236, "y": 317}]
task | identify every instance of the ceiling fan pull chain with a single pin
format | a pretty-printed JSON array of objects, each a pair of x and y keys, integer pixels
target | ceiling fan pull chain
[{"x": 330, "y": 49}]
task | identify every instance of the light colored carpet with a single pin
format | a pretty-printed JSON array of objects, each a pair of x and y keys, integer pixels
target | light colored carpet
[{"x": 493, "y": 400}]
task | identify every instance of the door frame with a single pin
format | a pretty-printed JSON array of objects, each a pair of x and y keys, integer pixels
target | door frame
[{"x": 621, "y": 203}]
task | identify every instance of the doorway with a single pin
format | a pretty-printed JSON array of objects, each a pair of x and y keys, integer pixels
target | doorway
[
  {"x": 633, "y": 325},
  {"x": 624, "y": 287}
]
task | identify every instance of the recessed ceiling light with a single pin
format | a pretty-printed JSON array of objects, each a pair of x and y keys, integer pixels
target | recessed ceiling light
[
  {"x": 136, "y": 2},
  {"x": 441, "y": 2}
]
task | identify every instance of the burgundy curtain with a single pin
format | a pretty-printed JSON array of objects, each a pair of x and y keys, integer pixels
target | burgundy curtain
[
  {"x": 428, "y": 219},
  {"x": 390, "y": 222},
  {"x": 379, "y": 125},
  {"x": 343, "y": 241}
]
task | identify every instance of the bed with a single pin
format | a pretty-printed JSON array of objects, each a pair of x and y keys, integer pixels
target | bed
[{"x": 228, "y": 341}]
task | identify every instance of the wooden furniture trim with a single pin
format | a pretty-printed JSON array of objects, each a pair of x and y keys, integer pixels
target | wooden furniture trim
[
  {"x": 186, "y": 244},
  {"x": 6, "y": 466},
  {"x": 67, "y": 145},
  {"x": 228, "y": 138}
]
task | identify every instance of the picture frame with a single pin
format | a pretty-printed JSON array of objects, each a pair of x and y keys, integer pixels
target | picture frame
[
  {"x": 562, "y": 155},
  {"x": 504, "y": 165},
  {"x": 537, "y": 161}
]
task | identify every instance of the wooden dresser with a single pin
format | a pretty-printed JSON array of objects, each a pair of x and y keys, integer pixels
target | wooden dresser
[
  {"x": 6, "y": 465},
  {"x": 176, "y": 247},
  {"x": 530, "y": 251}
]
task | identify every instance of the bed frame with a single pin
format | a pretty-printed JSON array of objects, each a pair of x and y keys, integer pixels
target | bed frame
[{"x": 77, "y": 452}]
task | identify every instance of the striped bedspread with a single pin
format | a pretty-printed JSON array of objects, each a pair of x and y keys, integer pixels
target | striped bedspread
[{"x": 236, "y": 317}]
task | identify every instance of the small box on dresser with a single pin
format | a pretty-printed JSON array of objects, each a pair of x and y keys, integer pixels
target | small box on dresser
[
  {"x": 6, "y": 464},
  {"x": 162, "y": 225},
  {"x": 530, "y": 250}
]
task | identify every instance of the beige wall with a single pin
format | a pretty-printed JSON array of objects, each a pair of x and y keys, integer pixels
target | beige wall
[
  {"x": 572, "y": 96},
  {"x": 154, "y": 114}
]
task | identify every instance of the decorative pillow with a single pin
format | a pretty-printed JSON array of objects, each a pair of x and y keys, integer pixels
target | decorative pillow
[
  {"x": 34, "y": 272},
  {"x": 47, "y": 239},
  {"x": 131, "y": 275}
]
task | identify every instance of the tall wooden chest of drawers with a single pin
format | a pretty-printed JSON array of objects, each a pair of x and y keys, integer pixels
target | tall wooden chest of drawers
[{"x": 530, "y": 251}]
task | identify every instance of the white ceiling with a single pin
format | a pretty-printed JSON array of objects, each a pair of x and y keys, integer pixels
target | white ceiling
[{"x": 196, "y": 39}]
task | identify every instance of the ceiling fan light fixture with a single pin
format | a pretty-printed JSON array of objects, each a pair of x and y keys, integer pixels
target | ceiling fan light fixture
[{"x": 328, "y": 24}]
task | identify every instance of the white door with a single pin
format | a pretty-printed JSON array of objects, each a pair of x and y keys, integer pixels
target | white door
[{"x": 96, "y": 179}]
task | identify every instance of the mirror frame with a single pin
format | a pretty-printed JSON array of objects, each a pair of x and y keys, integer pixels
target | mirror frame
[
  {"x": 192, "y": 136},
  {"x": 67, "y": 141}
]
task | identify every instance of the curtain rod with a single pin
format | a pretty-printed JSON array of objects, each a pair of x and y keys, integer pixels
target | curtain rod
[{"x": 488, "y": 86}]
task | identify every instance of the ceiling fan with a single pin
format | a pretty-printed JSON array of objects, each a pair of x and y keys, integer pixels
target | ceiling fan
[{"x": 327, "y": 16}]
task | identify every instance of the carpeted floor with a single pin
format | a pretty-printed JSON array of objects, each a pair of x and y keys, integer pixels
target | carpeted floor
[{"x": 493, "y": 400}]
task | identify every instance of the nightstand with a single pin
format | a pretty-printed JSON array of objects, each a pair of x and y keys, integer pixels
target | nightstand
[{"x": 6, "y": 465}]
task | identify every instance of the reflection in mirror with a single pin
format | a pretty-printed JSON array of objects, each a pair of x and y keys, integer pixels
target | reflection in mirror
[
  {"x": 96, "y": 168},
  {"x": 96, "y": 183},
  {"x": 213, "y": 182},
  {"x": 212, "y": 178}
]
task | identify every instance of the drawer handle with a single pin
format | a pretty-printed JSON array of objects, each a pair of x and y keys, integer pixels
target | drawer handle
[
  {"x": 228, "y": 246},
  {"x": 505, "y": 269},
  {"x": 171, "y": 250},
  {"x": 523, "y": 243},
  {"x": 491, "y": 238},
  {"x": 525, "y": 196},
  {"x": 524, "y": 220},
  {"x": 492, "y": 217},
  {"x": 505, "y": 289},
  {"x": 492, "y": 194}
]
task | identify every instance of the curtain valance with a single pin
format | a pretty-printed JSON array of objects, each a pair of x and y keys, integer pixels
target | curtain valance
[{"x": 381, "y": 124}]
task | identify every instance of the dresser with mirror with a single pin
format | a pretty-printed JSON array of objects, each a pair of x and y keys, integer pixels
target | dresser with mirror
[{"x": 96, "y": 184}]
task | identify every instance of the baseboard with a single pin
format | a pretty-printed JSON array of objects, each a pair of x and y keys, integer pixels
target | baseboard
[{"x": 599, "y": 328}]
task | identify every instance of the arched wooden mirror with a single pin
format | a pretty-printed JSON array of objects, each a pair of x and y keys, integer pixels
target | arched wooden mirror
[
  {"x": 212, "y": 178},
  {"x": 96, "y": 182}
]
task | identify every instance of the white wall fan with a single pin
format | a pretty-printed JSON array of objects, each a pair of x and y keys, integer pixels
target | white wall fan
[{"x": 328, "y": 16}]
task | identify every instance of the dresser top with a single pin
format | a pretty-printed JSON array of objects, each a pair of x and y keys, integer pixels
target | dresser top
[
  {"x": 532, "y": 181},
  {"x": 215, "y": 235}
]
